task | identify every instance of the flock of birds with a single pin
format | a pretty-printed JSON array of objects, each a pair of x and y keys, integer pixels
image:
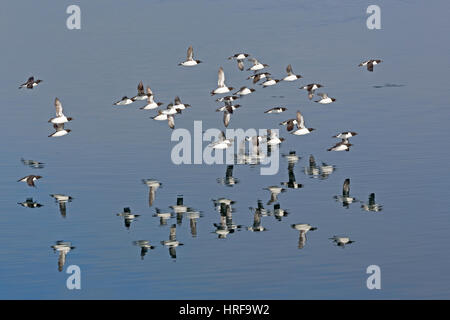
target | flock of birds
[{"x": 296, "y": 126}]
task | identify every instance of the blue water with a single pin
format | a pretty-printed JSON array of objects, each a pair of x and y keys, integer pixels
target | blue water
[{"x": 400, "y": 153}]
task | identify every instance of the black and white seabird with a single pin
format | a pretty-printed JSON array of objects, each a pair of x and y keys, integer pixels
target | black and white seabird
[
  {"x": 227, "y": 99},
  {"x": 63, "y": 248},
  {"x": 301, "y": 128},
  {"x": 60, "y": 131},
  {"x": 345, "y": 135},
  {"x": 258, "y": 76},
  {"x": 221, "y": 87},
  {"x": 345, "y": 198},
  {"x": 370, "y": 63},
  {"x": 372, "y": 205},
  {"x": 341, "y": 241},
  {"x": 153, "y": 185},
  {"x": 29, "y": 203},
  {"x": 276, "y": 110},
  {"x": 163, "y": 216},
  {"x": 344, "y": 145},
  {"x": 62, "y": 199},
  {"x": 269, "y": 82},
  {"x": 291, "y": 76},
  {"x": 172, "y": 243},
  {"x": 290, "y": 123},
  {"x": 256, "y": 65},
  {"x": 229, "y": 180},
  {"x": 142, "y": 95},
  {"x": 123, "y": 102},
  {"x": 60, "y": 117},
  {"x": 239, "y": 56},
  {"x": 33, "y": 163},
  {"x": 190, "y": 59},
  {"x": 228, "y": 106},
  {"x": 30, "y": 84},
  {"x": 325, "y": 99},
  {"x": 272, "y": 138},
  {"x": 151, "y": 104},
  {"x": 30, "y": 179},
  {"x": 144, "y": 245},
  {"x": 243, "y": 91},
  {"x": 221, "y": 142},
  {"x": 179, "y": 105},
  {"x": 274, "y": 192},
  {"x": 128, "y": 217},
  {"x": 311, "y": 88},
  {"x": 162, "y": 114}
]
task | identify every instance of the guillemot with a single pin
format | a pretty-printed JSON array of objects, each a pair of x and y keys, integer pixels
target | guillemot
[
  {"x": 227, "y": 99},
  {"x": 33, "y": 163},
  {"x": 153, "y": 185},
  {"x": 232, "y": 107},
  {"x": 60, "y": 131},
  {"x": 256, "y": 65},
  {"x": 258, "y": 76},
  {"x": 30, "y": 84},
  {"x": 274, "y": 192},
  {"x": 128, "y": 217},
  {"x": 29, "y": 203},
  {"x": 63, "y": 248},
  {"x": 291, "y": 76},
  {"x": 344, "y": 145},
  {"x": 301, "y": 128},
  {"x": 341, "y": 241},
  {"x": 370, "y": 63},
  {"x": 62, "y": 199},
  {"x": 123, "y": 102},
  {"x": 276, "y": 110},
  {"x": 60, "y": 117},
  {"x": 221, "y": 142},
  {"x": 172, "y": 243},
  {"x": 221, "y": 87},
  {"x": 142, "y": 95},
  {"x": 151, "y": 104},
  {"x": 30, "y": 179},
  {"x": 345, "y": 197},
  {"x": 345, "y": 135},
  {"x": 239, "y": 56},
  {"x": 324, "y": 99},
  {"x": 311, "y": 88},
  {"x": 243, "y": 91},
  {"x": 269, "y": 82},
  {"x": 190, "y": 59},
  {"x": 372, "y": 205},
  {"x": 144, "y": 245}
]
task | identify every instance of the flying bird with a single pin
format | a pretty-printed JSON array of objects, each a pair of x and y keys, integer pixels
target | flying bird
[
  {"x": 370, "y": 63},
  {"x": 291, "y": 76},
  {"x": 30, "y": 179},
  {"x": 60, "y": 117},
  {"x": 190, "y": 59},
  {"x": 301, "y": 128},
  {"x": 30, "y": 84},
  {"x": 221, "y": 87}
]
